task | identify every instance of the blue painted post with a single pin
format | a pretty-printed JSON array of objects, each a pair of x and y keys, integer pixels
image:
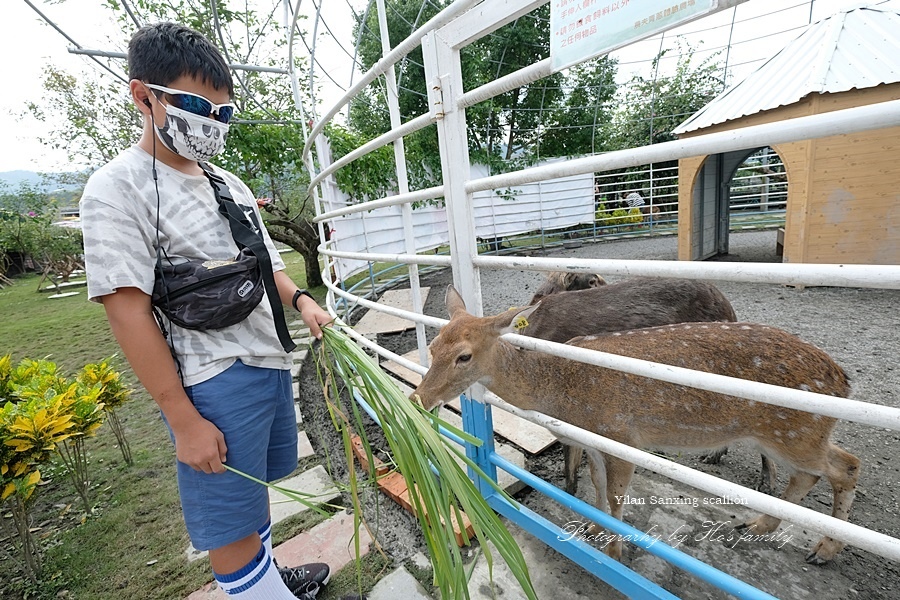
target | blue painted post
[{"x": 477, "y": 421}]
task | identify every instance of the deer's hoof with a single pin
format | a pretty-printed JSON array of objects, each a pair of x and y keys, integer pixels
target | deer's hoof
[
  {"x": 814, "y": 559},
  {"x": 761, "y": 525},
  {"x": 824, "y": 551},
  {"x": 764, "y": 486},
  {"x": 614, "y": 550},
  {"x": 714, "y": 457}
]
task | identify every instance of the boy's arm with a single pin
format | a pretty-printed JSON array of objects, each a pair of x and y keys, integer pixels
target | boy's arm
[
  {"x": 312, "y": 314},
  {"x": 198, "y": 443}
]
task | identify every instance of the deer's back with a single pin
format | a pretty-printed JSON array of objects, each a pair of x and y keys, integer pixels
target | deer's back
[
  {"x": 646, "y": 412},
  {"x": 746, "y": 350},
  {"x": 631, "y": 304}
]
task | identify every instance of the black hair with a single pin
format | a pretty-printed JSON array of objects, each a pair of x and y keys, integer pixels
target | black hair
[{"x": 162, "y": 52}]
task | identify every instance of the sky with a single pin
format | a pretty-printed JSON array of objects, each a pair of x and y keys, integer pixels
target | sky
[{"x": 27, "y": 46}]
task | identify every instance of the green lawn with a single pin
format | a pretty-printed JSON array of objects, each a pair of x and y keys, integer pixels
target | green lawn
[{"x": 133, "y": 546}]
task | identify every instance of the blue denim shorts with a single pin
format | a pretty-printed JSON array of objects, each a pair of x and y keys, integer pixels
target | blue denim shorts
[{"x": 253, "y": 407}]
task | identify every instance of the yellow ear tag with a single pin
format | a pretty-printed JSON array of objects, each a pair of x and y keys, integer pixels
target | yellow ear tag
[{"x": 520, "y": 323}]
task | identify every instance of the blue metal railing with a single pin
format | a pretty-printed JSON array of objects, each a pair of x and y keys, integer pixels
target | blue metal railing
[{"x": 477, "y": 421}]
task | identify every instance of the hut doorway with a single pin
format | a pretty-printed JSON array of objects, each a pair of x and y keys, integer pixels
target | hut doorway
[{"x": 734, "y": 191}]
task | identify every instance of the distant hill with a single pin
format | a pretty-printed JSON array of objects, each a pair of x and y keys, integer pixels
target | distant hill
[{"x": 13, "y": 179}]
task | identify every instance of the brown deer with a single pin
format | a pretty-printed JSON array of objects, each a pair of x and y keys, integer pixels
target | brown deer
[
  {"x": 644, "y": 412},
  {"x": 560, "y": 281},
  {"x": 587, "y": 309}
]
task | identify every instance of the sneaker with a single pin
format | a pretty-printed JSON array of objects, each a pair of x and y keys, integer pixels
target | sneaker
[
  {"x": 308, "y": 591},
  {"x": 297, "y": 579}
]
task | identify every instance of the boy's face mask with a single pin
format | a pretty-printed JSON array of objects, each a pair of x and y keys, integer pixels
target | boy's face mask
[{"x": 191, "y": 136}]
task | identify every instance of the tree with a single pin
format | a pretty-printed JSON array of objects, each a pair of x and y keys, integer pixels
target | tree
[
  {"x": 264, "y": 143},
  {"x": 653, "y": 107},
  {"x": 581, "y": 125},
  {"x": 267, "y": 155},
  {"x": 99, "y": 122},
  {"x": 556, "y": 116}
]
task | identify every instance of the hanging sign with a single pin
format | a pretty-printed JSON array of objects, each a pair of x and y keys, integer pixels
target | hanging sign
[{"x": 583, "y": 29}]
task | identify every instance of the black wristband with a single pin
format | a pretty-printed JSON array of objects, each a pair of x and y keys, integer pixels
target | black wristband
[{"x": 297, "y": 295}]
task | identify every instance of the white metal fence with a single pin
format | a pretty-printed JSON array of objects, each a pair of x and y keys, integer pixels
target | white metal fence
[{"x": 441, "y": 39}]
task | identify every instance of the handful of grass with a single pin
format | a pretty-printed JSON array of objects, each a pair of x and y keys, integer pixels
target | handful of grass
[{"x": 416, "y": 446}]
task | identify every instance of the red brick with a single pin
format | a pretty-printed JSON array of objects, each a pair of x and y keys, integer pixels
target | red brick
[{"x": 393, "y": 485}]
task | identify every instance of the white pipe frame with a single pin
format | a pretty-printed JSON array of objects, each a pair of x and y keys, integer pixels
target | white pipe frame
[
  {"x": 387, "y": 62},
  {"x": 471, "y": 26},
  {"x": 859, "y": 536}
]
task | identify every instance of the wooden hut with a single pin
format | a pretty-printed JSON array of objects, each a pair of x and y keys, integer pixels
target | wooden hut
[{"x": 843, "y": 199}]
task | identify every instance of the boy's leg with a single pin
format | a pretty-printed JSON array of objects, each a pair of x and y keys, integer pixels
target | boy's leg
[
  {"x": 282, "y": 460},
  {"x": 224, "y": 512},
  {"x": 244, "y": 571},
  {"x": 296, "y": 578}
]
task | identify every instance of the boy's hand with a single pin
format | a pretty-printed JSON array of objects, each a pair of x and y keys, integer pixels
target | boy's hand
[
  {"x": 201, "y": 446},
  {"x": 313, "y": 315}
]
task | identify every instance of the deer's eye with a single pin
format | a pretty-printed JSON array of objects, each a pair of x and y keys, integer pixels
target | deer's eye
[{"x": 463, "y": 358}]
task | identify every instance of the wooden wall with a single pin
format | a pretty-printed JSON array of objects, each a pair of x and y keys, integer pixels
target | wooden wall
[{"x": 843, "y": 191}]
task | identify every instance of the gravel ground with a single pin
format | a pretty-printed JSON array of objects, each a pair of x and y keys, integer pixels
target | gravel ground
[{"x": 857, "y": 327}]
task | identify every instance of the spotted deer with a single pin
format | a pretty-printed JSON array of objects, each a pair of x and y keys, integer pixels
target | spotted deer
[
  {"x": 587, "y": 309},
  {"x": 643, "y": 412}
]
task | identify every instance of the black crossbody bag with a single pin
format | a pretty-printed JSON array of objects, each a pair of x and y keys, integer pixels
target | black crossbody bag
[{"x": 207, "y": 294}]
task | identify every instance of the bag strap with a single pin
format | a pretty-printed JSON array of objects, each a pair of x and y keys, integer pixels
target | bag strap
[{"x": 247, "y": 233}]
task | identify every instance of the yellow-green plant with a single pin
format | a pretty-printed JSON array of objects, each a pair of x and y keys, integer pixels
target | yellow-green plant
[
  {"x": 113, "y": 394},
  {"x": 40, "y": 393},
  {"x": 416, "y": 446},
  {"x": 30, "y": 430},
  {"x": 618, "y": 216}
]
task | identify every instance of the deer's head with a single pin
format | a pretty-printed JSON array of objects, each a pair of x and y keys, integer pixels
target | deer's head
[{"x": 462, "y": 353}]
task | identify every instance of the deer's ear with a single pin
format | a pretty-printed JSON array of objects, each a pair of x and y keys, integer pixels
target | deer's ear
[
  {"x": 454, "y": 301},
  {"x": 515, "y": 320}
]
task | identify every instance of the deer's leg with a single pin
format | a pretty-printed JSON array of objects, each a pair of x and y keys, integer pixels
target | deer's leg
[
  {"x": 573, "y": 461},
  {"x": 618, "y": 478},
  {"x": 767, "y": 476},
  {"x": 797, "y": 488},
  {"x": 842, "y": 474},
  {"x": 598, "y": 478}
]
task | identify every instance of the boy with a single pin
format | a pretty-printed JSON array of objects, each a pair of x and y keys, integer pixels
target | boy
[{"x": 226, "y": 395}]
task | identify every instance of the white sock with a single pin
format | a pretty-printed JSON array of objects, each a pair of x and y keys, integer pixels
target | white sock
[
  {"x": 257, "y": 580},
  {"x": 265, "y": 534}
]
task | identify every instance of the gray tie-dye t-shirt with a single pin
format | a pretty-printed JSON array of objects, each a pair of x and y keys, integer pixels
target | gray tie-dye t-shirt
[{"x": 118, "y": 213}]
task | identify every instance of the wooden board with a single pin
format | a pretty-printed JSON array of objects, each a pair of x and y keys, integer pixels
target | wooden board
[{"x": 378, "y": 322}]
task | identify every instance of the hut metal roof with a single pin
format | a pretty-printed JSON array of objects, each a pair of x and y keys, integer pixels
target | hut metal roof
[{"x": 855, "y": 48}]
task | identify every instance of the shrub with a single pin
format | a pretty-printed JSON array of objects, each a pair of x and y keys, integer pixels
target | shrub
[{"x": 42, "y": 414}]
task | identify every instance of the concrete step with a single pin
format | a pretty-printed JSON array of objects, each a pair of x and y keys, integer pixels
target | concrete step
[
  {"x": 399, "y": 584},
  {"x": 378, "y": 322},
  {"x": 304, "y": 448},
  {"x": 330, "y": 542},
  {"x": 315, "y": 481}
]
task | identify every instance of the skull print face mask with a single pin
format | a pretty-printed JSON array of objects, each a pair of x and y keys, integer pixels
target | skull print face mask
[{"x": 191, "y": 136}]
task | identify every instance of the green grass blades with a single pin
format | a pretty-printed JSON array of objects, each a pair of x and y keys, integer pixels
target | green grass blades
[
  {"x": 308, "y": 500},
  {"x": 416, "y": 446}
]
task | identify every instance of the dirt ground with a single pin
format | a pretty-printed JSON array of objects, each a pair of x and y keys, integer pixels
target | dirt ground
[{"x": 859, "y": 328}]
